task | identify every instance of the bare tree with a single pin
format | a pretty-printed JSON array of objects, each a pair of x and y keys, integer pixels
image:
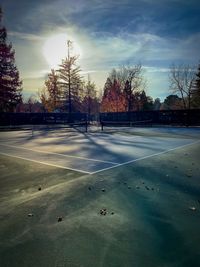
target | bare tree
[
  {"x": 131, "y": 80},
  {"x": 182, "y": 79}
]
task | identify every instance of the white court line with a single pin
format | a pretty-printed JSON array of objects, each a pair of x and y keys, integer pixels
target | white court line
[
  {"x": 118, "y": 165},
  {"x": 45, "y": 163},
  {"x": 64, "y": 155},
  {"x": 145, "y": 157}
]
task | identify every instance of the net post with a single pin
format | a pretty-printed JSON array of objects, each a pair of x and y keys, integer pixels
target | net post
[
  {"x": 86, "y": 122},
  {"x": 101, "y": 126},
  {"x": 86, "y": 125}
]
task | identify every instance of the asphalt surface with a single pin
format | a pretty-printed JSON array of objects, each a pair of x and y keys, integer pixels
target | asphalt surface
[{"x": 144, "y": 213}]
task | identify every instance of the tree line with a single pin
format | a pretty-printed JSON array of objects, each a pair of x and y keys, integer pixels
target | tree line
[{"x": 65, "y": 90}]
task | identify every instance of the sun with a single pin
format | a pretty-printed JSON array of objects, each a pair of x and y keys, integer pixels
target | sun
[{"x": 55, "y": 49}]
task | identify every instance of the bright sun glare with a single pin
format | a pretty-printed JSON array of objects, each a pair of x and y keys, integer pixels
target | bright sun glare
[{"x": 55, "y": 49}]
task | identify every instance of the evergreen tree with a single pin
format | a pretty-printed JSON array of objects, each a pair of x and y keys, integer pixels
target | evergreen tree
[
  {"x": 146, "y": 101},
  {"x": 70, "y": 79},
  {"x": 156, "y": 104},
  {"x": 128, "y": 96},
  {"x": 90, "y": 102},
  {"x": 198, "y": 79},
  {"x": 196, "y": 91},
  {"x": 10, "y": 84},
  {"x": 172, "y": 102},
  {"x": 113, "y": 98},
  {"x": 53, "y": 89}
]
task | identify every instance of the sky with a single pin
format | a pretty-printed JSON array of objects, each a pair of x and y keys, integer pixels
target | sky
[{"x": 106, "y": 34}]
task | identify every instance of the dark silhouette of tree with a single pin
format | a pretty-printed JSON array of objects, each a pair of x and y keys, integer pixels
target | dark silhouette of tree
[
  {"x": 44, "y": 98},
  {"x": 198, "y": 79},
  {"x": 196, "y": 91},
  {"x": 10, "y": 84},
  {"x": 146, "y": 101},
  {"x": 90, "y": 103},
  {"x": 142, "y": 101},
  {"x": 70, "y": 79},
  {"x": 182, "y": 79},
  {"x": 157, "y": 104},
  {"x": 128, "y": 96},
  {"x": 172, "y": 102}
]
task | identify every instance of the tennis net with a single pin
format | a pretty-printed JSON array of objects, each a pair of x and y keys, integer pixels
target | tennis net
[
  {"x": 114, "y": 125},
  {"x": 81, "y": 126}
]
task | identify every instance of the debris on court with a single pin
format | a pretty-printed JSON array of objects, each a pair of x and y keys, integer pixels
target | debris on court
[
  {"x": 103, "y": 211},
  {"x": 60, "y": 219},
  {"x": 192, "y": 208}
]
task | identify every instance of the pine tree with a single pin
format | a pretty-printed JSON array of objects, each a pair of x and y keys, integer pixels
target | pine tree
[
  {"x": 10, "y": 84},
  {"x": 196, "y": 91},
  {"x": 70, "y": 79},
  {"x": 113, "y": 99},
  {"x": 53, "y": 89},
  {"x": 128, "y": 96},
  {"x": 89, "y": 102},
  {"x": 198, "y": 79}
]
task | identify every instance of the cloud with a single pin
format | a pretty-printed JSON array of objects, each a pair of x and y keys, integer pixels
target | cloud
[
  {"x": 110, "y": 33},
  {"x": 25, "y": 36},
  {"x": 156, "y": 69}
]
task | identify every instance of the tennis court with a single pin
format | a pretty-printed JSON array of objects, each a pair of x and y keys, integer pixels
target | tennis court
[
  {"x": 118, "y": 198},
  {"x": 93, "y": 152}
]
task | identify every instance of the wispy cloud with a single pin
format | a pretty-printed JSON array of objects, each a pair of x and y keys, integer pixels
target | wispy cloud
[
  {"x": 26, "y": 36},
  {"x": 110, "y": 33}
]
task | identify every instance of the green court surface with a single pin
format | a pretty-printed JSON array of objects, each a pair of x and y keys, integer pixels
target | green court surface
[{"x": 145, "y": 213}]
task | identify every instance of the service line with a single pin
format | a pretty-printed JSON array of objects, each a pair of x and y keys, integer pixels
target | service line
[
  {"x": 45, "y": 163},
  {"x": 59, "y": 154}
]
